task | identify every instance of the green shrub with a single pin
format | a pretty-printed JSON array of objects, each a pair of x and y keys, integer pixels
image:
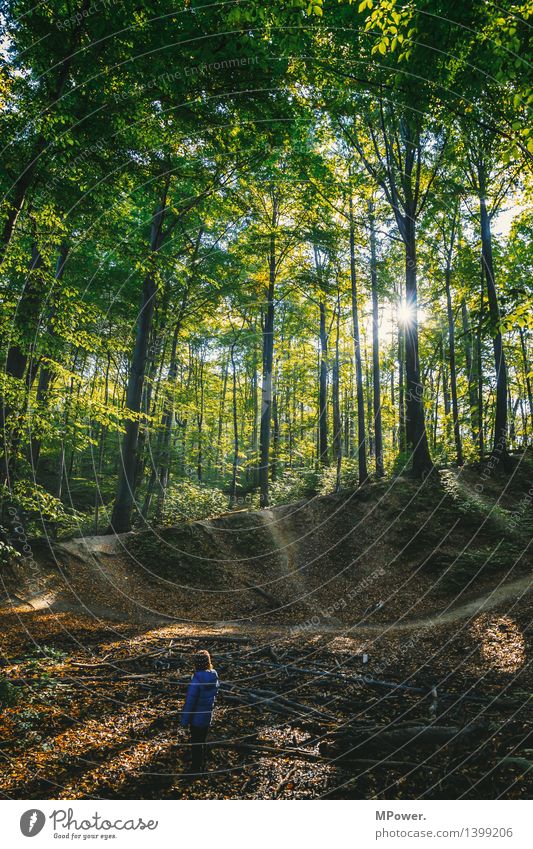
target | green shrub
[
  {"x": 38, "y": 510},
  {"x": 8, "y": 555},
  {"x": 292, "y": 484},
  {"x": 186, "y": 501}
]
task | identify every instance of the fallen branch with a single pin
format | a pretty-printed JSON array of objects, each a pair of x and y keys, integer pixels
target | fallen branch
[
  {"x": 277, "y": 702},
  {"x": 303, "y": 754},
  {"x": 416, "y": 736},
  {"x": 364, "y": 680},
  {"x": 284, "y": 781}
]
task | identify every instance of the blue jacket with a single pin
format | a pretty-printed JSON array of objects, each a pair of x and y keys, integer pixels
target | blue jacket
[{"x": 200, "y": 700}]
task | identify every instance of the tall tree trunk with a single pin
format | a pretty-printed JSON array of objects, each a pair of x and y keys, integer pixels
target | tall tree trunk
[
  {"x": 337, "y": 423},
  {"x": 361, "y": 435},
  {"x": 166, "y": 423},
  {"x": 200, "y": 385},
  {"x": 479, "y": 356},
  {"x": 512, "y": 420},
  {"x": 275, "y": 437},
  {"x": 347, "y": 422},
  {"x": 268, "y": 362},
  {"x": 255, "y": 416},
  {"x": 121, "y": 515},
  {"x": 376, "y": 375},
  {"x": 445, "y": 395},
  {"x": 471, "y": 372},
  {"x": 436, "y": 392},
  {"x": 393, "y": 408},
  {"x": 499, "y": 447},
  {"x": 233, "y": 488},
  {"x": 154, "y": 369},
  {"x": 323, "y": 448},
  {"x": 219, "y": 464},
  {"x": 526, "y": 375},
  {"x": 64, "y": 470},
  {"x": 369, "y": 414},
  {"x": 453, "y": 375},
  {"x": 402, "y": 436},
  {"x": 415, "y": 424},
  {"x": 101, "y": 451}
]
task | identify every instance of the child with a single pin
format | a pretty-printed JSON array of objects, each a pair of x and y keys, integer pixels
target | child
[{"x": 198, "y": 709}]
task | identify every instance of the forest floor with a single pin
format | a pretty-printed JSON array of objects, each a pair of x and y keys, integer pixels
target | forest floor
[{"x": 370, "y": 644}]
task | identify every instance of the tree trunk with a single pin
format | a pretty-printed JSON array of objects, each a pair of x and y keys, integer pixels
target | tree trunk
[
  {"x": 402, "y": 436},
  {"x": 526, "y": 375},
  {"x": 156, "y": 351},
  {"x": 255, "y": 416},
  {"x": 323, "y": 454},
  {"x": 337, "y": 423},
  {"x": 415, "y": 423},
  {"x": 361, "y": 436},
  {"x": 219, "y": 465},
  {"x": 445, "y": 394},
  {"x": 436, "y": 392},
  {"x": 499, "y": 447},
  {"x": 268, "y": 361},
  {"x": 393, "y": 402},
  {"x": 471, "y": 373},
  {"x": 200, "y": 384},
  {"x": 121, "y": 515},
  {"x": 166, "y": 423},
  {"x": 233, "y": 489},
  {"x": 453, "y": 368},
  {"x": 479, "y": 356},
  {"x": 376, "y": 376},
  {"x": 275, "y": 437},
  {"x": 101, "y": 450}
]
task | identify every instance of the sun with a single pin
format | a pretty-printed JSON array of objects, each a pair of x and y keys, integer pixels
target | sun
[
  {"x": 394, "y": 315},
  {"x": 407, "y": 313}
]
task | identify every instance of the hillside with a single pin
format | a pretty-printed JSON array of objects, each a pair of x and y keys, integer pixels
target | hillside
[
  {"x": 412, "y": 550},
  {"x": 358, "y": 657}
]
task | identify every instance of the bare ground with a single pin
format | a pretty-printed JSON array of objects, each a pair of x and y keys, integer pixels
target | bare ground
[{"x": 366, "y": 648}]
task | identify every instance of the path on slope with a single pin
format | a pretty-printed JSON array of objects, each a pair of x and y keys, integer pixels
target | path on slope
[{"x": 512, "y": 590}]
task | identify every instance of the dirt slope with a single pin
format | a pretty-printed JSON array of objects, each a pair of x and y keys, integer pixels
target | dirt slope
[{"x": 393, "y": 552}]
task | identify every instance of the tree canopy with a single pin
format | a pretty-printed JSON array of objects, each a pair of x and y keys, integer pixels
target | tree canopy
[{"x": 254, "y": 252}]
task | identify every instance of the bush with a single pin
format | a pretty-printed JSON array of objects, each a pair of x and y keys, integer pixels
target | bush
[
  {"x": 186, "y": 501},
  {"x": 8, "y": 555},
  {"x": 291, "y": 485},
  {"x": 40, "y": 511},
  {"x": 305, "y": 483}
]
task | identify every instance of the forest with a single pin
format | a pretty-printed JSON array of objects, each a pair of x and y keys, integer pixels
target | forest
[{"x": 255, "y": 255}]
